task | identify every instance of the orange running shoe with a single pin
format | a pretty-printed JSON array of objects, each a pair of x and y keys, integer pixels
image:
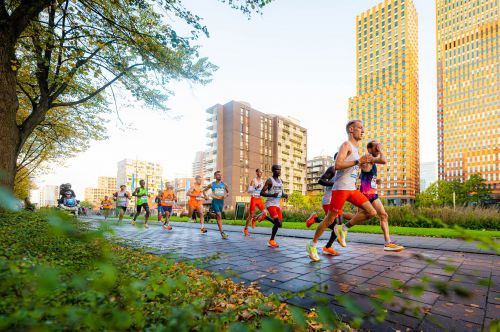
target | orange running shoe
[
  {"x": 330, "y": 251},
  {"x": 253, "y": 222},
  {"x": 169, "y": 227},
  {"x": 245, "y": 231},
  {"x": 311, "y": 220},
  {"x": 261, "y": 216},
  {"x": 272, "y": 243}
]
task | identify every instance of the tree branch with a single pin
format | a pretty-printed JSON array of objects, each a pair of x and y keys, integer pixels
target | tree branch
[
  {"x": 24, "y": 13},
  {"x": 93, "y": 94},
  {"x": 32, "y": 100}
]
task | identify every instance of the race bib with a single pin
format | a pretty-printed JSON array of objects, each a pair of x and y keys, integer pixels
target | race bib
[
  {"x": 168, "y": 201},
  {"x": 219, "y": 192},
  {"x": 256, "y": 193},
  {"x": 373, "y": 184},
  {"x": 354, "y": 173},
  {"x": 144, "y": 197},
  {"x": 199, "y": 198}
]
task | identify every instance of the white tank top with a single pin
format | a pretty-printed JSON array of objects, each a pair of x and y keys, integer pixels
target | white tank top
[
  {"x": 327, "y": 196},
  {"x": 345, "y": 179},
  {"x": 277, "y": 188},
  {"x": 121, "y": 200},
  {"x": 258, "y": 184}
]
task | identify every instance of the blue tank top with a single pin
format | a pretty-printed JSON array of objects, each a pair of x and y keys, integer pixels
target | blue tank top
[{"x": 219, "y": 190}]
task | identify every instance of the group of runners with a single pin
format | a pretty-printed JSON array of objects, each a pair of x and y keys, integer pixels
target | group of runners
[{"x": 339, "y": 183}]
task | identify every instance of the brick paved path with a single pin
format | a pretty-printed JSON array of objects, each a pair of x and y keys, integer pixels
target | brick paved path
[{"x": 359, "y": 269}]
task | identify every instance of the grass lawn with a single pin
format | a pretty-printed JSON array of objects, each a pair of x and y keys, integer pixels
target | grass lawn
[{"x": 373, "y": 229}]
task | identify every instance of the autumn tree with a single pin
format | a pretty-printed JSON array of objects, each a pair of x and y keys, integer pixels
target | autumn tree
[{"x": 61, "y": 57}]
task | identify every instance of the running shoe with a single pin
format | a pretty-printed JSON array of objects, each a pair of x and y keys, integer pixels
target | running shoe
[
  {"x": 164, "y": 226},
  {"x": 261, "y": 216},
  {"x": 272, "y": 244},
  {"x": 253, "y": 222},
  {"x": 245, "y": 231},
  {"x": 341, "y": 235},
  {"x": 146, "y": 226},
  {"x": 203, "y": 230},
  {"x": 330, "y": 251},
  {"x": 312, "y": 251},
  {"x": 133, "y": 222},
  {"x": 224, "y": 235},
  {"x": 392, "y": 246},
  {"x": 311, "y": 220},
  {"x": 169, "y": 227}
]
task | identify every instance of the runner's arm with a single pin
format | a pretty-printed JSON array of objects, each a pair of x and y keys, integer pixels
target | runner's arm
[
  {"x": 380, "y": 159},
  {"x": 227, "y": 191},
  {"x": 265, "y": 190},
  {"x": 327, "y": 178},
  {"x": 251, "y": 187},
  {"x": 206, "y": 188}
]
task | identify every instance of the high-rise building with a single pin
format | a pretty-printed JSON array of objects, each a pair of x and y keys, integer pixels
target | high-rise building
[
  {"x": 242, "y": 139},
  {"x": 428, "y": 174},
  {"x": 315, "y": 168},
  {"x": 106, "y": 186},
  {"x": 200, "y": 166},
  {"x": 49, "y": 194},
  {"x": 468, "y": 77},
  {"x": 290, "y": 151},
  {"x": 131, "y": 171},
  {"x": 387, "y": 93}
]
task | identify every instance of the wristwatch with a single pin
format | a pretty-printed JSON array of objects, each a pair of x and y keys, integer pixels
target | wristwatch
[{"x": 356, "y": 162}]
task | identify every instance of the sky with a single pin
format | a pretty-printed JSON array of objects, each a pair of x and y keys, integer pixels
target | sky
[{"x": 296, "y": 59}]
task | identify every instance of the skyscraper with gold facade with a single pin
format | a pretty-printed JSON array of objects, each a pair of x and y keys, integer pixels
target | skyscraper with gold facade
[
  {"x": 387, "y": 93},
  {"x": 468, "y": 88}
]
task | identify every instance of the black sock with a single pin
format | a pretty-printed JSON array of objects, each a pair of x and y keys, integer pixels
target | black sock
[
  {"x": 333, "y": 237},
  {"x": 317, "y": 220},
  {"x": 275, "y": 230}
]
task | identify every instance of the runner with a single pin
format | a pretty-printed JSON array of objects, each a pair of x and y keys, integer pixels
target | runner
[
  {"x": 254, "y": 189},
  {"x": 195, "y": 203},
  {"x": 121, "y": 197},
  {"x": 106, "y": 206},
  {"x": 326, "y": 180},
  {"x": 368, "y": 187},
  {"x": 273, "y": 190},
  {"x": 142, "y": 202},
  {"x": 167, "y": 198},
  {"x": 219, "y": 192},
  {"x": 344, "y": 189},
  {"x": 158, "y": 205}
]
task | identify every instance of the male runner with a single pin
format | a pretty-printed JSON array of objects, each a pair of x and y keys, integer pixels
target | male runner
[
  {"x": 142, "y": 202},
  {"x": 326, "y": 180},
  {"x": 195, "y": 203},
  {"x": 219, "y": 192},
  {"x": 344, "y": 189},
  {"x": 273, "y": 190},
  {"x": 121, "y": 197},
  {"x": 254, "y": 189},
  {"x": 158, "y": 205},
  {"x": 167, "y": 198},
  {"x": 368, "y": 187},
  {"x": 106, "y": 206}
]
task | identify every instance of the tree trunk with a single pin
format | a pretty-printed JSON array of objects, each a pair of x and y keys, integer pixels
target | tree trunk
[{"x": 10, "y": 137}]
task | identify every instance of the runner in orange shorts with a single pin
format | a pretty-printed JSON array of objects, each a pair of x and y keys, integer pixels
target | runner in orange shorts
[
  {"x": 344, "y": 189},
  {"x": 255, "y": 189},
  {"x": 195, "y": 202}
]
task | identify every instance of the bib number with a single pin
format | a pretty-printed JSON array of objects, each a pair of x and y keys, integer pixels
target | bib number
[
  {"x": 256, "y": 193},
  {"x": 168, "y": 201},
  {"x": 374, "y": 183},
  {"x": 354, "y": 173},
  {"x": 219, "y": 192},
  {"x": 144, "y": 197},
  {"x": 199, "y": 198}
]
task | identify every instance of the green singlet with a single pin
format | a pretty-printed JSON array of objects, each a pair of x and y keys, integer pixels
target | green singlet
[{"x": 142, "y": 196}]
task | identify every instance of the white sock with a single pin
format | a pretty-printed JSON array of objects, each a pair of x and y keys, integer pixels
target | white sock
[
  {"x": 344, "y": 227},
  {"x": 314, "y": 243}
]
